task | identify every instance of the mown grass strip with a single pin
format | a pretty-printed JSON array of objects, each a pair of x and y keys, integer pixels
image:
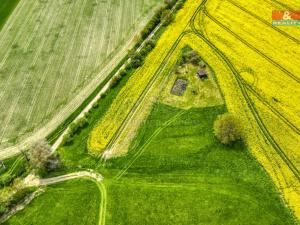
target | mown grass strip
[{"x": 6, "y": 8}]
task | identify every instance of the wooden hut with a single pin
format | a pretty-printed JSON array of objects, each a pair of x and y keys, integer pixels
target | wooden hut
[{"x": 202, "y": 74}]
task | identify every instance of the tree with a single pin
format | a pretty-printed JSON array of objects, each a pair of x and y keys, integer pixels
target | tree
[
  {"x": 41, "y": 157},
  {"x": 39, "y": 154},
  {"x": 227, "y": 129}
]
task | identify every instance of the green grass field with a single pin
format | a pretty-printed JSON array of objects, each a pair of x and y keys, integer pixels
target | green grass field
[
  {"x": 176, "y": 161},
  {"x": 183, "y": 175},
  {"x": 70, "y": 202},
  {"x": 54, "y": 53},
  {"x": 6, "y": 8},
  {"x": 185, "y": 167}
]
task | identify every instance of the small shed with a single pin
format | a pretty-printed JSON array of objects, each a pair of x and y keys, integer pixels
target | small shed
[{"x": 202, "y": 74}]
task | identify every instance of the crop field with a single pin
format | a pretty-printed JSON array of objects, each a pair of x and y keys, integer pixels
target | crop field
[
  {"x": 54, "y": 53},
  {"x": 131, "y": 94},
  {"x": 258, "y": 75},
  {"x": 268, "y": 74},
  {"x": 157, "y": 152}
]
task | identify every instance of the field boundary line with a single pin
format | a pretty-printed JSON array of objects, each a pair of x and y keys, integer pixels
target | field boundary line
[{"x": 146, "y": 144}]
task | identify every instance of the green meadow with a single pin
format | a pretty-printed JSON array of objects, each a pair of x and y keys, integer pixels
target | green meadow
[{"x": 70, "y": 202}]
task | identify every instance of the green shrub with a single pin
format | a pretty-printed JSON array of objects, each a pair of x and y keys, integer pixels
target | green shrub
[
  {"x": 19, "y": 196},
  {"x": 3, "y": 208},
  {"x": 227, "y": 129},
  {"x": 114, "y": 81}
]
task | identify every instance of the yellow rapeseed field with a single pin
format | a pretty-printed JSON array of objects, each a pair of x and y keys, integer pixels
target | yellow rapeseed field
[
  {"x": 258, "y": 74},
  {"x": 124, "y": 103},
  {"x": 267, "y": 66}
]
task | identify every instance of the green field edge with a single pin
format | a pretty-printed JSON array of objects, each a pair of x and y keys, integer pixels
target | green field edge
[{"x": 9, "y": 7}]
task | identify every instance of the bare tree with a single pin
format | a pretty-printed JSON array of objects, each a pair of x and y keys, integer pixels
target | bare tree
[{"x": 39, "y": 154}]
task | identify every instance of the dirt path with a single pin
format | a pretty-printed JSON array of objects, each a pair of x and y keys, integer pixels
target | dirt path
[{"x": 32, "y": 180}]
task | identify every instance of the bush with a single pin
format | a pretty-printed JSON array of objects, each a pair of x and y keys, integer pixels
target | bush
[
  {"x": 190, "y": 56},
  {"x": 137, "y": 60},
  {"x": 227, "y": 129},
  {"x": 77, "y": 126},
  {"x": 167, "y": 17},
  {"x": 39, "y": 153},
  {"x": 114, "y": 81},
  {"x": 3, "y": 208},
  {"x": 179, "y": 5},
  {"x": 42, "y": 159},
  {"x": 19, "y": 196}
]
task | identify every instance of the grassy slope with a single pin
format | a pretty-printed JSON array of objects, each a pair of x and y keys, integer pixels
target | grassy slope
[
  {"x": 185, "y": 176},
  {"x": 6, "y": 7},
  {"x": 71, "y": 202}
]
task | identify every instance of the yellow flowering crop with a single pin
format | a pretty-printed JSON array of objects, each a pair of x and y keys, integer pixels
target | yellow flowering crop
[
  {"x": 258, "y": 74},
  {"x": 126, "y": 100},
  {"x": 267, "y": 63}
]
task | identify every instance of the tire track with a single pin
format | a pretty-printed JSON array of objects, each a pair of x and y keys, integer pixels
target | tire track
[
  {"x": 272, "y": 109},
  {"x": 251, "y": 106},
  {"x": 16, "y": 100},
  {"x": 11, "y": 20},
  {"x": 58, "y": 82},
  {"x": 52, "y": 57},
  {"x": 7, "y": 54},
  {"x": 86, "y": 48},
  {"x": 285, "y": 71},
  {"x": 17, "y": 36},
  {"x": 146, "y": 144},
  {"x": 264, "y": 22}
]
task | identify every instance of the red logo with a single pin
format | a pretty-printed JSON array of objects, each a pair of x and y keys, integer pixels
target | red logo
[{"x": 286, "y": 15}]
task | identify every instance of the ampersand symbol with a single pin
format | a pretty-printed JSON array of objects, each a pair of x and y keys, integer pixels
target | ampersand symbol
[{"x": 286, "y": 15}]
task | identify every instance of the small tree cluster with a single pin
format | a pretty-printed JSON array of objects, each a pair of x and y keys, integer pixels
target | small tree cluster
[
  {"x": 41, "y": 157},
  {"x": 167, "y": 17},
  {"x": 190, "y": 56},
  {"x": 114, "y": 81},
  {"x": 75, "y": 128},
  {"x": 162, "y": 15},
  {"x": 138, "y": 58},
  {"x": 227, "y": 129}
]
